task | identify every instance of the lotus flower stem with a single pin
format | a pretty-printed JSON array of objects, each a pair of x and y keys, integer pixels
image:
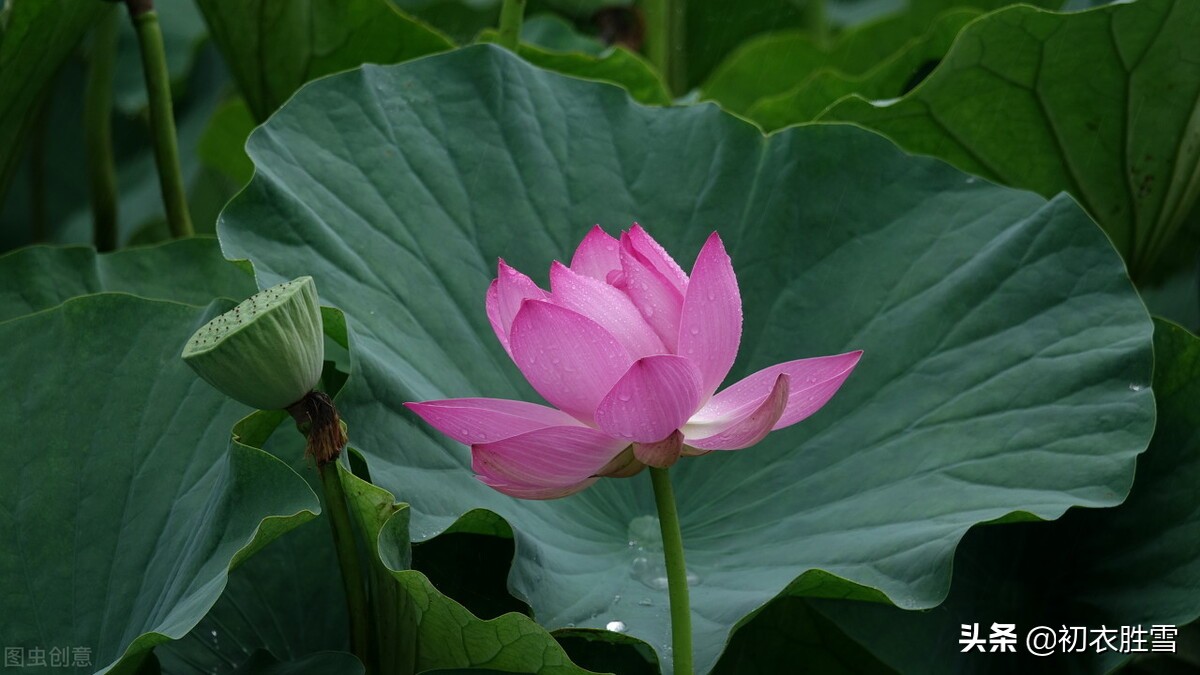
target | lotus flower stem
[
  {"x": 317, "y": 417},
  {"x": 664, "y": 41},
  {"x": 97, "y": 116},
  {"x": 816, "y": 19},
  {"x": 347, "y": 553},
  {"x": 677, "y": 584},
  {"x": 162, "y": 116},
  {"x": 512, "y": 13}
]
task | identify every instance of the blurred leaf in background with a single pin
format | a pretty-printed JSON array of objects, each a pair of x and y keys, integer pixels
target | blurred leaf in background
[{"x": 1103, "y": 104}]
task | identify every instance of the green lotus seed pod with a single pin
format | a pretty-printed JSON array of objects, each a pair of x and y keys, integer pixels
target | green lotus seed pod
[{"x": 267, "y": 352}]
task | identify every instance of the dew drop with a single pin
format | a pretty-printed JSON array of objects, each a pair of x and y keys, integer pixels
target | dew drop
[
  {"x": 616, "y": 626},
  {"x": 1135, "y": 387},
  {"x": 623, "y": 397},
  {"x": 646, "y": 602},
  {"x": 694, "y": 330}
]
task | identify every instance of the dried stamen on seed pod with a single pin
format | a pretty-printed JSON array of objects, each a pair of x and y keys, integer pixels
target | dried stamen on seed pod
[{"x": 317, "y": 418}]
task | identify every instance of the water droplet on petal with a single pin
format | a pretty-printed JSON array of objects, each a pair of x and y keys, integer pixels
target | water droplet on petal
[
  {"x": 616, "y": 626},
  {"x": 694, "y": 330}
]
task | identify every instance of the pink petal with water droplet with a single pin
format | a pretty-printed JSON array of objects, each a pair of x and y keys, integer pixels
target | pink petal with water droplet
[
  {"x": 741, "y": 428},
  {"x": 481, "y": 420},
  {"x": 654, "y": 398},
  {"x": 522, "y": 491},
  {"x": 657, "y": 256},
  {"x": 546, "y": 458},
  {"x": 658, "y": 301},
  {"x": 597, "y": 255},
  {"x": 568, "y": 358},
  {"x": 607, "y": 306},
  {"x": 812, "y": 382},
  {"x": 512, "y": 288},
  {"x": 710, "y": 324}
]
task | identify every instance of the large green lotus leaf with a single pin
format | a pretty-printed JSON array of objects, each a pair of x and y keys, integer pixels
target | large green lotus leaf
[
  {"x": 274, "y": 46},
  {"x": 127, "y": 504},
  {"x": 36, "y": 37},
  {"x": 745, "y": 51},
  {"x": 1001, "y": 332},
  {"x": 286, "y": 602},
  {"x": 893, "y": 77},
  {"x": 788, "y": 633},
  {"x": 1102, "y": 104},
  {"x": 422, "y": 629},
  {"x": 1134, "y": 564},
  {"x": 190, "y": 271},
  {"x": 775, "y": 63}
]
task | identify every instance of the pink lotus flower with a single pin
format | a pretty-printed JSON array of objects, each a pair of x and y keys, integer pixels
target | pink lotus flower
[{"x": 630, "y": 350}]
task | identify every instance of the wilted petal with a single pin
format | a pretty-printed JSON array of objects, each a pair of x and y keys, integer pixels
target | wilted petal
[
  {"x": 597, "y": 255},
  {"x": 660, "y": 454},
  {"x": 657, "y": 256},
  {"x": 504, "y": 298},
  {"x": 710, "y": 325},
  {"x": 522, "y": 491},
  {"x": 654, "y": 398},
  {"x": 656, "y": 298},
  {"x": 481, "y": 420},
  {"x": 568, "y": 358},
  {"x": 812, "y": 382},
  {"x": 547, "y": 458},
  {"x": 740, "y": 428},
  {"x": 607, "y": 306}
]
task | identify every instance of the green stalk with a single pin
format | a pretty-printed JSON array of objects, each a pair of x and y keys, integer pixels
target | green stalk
[
  {"x": 677, "y": 584},
  {"x": 347, "y": 553},
  {"x": 97, "y": 124},
  {"x": 664, "y": 42},
  {"x": 512, "y": 13},
  {"x": 162, "y": 116},
  {"x": 816, "y": 19}
]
